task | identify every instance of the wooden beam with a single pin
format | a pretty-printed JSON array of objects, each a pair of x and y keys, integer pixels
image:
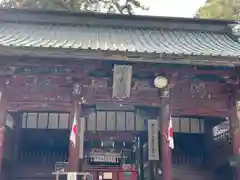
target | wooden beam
[{"x": 76, "y": 55}]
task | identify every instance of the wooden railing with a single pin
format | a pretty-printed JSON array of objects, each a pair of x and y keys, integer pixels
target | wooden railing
[
  {"x": 42, "y": 157},
  {"x": 195, "y": 160},
  {"x": 186, "y": 167},
  {"x": 38, "y": 164}
]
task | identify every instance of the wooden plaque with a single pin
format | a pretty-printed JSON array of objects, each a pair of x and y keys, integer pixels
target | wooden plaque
[
  {"x": 122, "y": 79},
  {"x": 153, "y": 146}
]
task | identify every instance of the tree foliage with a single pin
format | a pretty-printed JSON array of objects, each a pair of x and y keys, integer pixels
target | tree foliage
[
  {"x": 110, "y": 6},
  {"x": 220, "y": 9}
]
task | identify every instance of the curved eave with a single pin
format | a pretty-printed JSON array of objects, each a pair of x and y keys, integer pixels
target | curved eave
[{"x": 75, "y": 54}]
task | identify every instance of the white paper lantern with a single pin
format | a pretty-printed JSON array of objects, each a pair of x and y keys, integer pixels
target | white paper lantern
[{"x": 160, "y": 82}]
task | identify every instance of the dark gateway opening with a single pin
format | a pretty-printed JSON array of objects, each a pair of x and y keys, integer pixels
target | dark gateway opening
[{"x": 41, "y": 146}]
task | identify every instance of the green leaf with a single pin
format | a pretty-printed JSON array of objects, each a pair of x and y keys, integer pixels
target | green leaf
[{"x": 220, "y": 9}]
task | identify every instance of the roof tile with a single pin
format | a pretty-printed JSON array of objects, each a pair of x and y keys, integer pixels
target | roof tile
[{"x": 119, "y": 39}]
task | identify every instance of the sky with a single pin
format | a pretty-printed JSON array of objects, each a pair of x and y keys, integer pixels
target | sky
[{"x": 175, "y": 8}]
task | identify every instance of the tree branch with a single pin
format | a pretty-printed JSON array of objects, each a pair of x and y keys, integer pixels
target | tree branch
[{"x": 116, "y": 6}]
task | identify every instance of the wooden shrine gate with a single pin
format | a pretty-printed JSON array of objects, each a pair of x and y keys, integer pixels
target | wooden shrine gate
[{"x": 114, "y": 74}]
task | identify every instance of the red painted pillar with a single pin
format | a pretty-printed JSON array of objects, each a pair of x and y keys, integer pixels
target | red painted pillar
[
  {"x": 235, "y": 132},
  {"x": 166, "y": 154},
  {"x": 1, "y": 145},
  {"x": 3, "y": 112},
  {"x": 73, "y": 155},
  {"x": 74, "y": 163}
]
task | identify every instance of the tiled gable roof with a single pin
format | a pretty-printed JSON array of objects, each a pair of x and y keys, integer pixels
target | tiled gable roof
[{"x": 94, "y": 36}]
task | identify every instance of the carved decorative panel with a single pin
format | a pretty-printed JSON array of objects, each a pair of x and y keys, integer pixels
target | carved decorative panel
[
  {"x": 46, "y": 97},
  {"x": 138, "y": 97},
  {"x": 201, "y": 107},
  {"x": 201, "y": 99},
  {"x": 34, "y": 94},
  {"x": 141, "y": 84},
  {"x": 39, "y": 70},
  {"x": 40, "y": 106},
  {"x": 146, "y": 97},
  {"x": 198, "y": 90}
]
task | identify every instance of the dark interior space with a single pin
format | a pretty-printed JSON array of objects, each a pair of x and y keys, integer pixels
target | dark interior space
[
  {"x": 43, "y": 146},
  {"x": 191, "y": 144},
  {"x": 224, "y": 172},
  {"x": 189, "y": 149}
]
